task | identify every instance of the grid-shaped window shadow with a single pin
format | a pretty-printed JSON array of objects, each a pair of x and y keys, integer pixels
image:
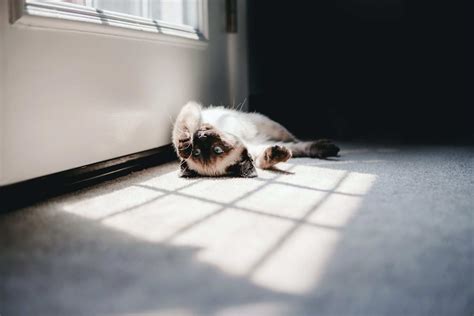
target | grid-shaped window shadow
[
  {"x": 287, "y": 220},
  {"x": 296, "y": 221}
]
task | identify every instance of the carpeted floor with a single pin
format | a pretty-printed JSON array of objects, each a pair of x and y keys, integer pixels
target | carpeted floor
[{"x": 381, "y": 231}]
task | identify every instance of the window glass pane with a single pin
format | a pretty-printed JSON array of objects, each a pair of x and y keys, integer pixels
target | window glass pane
[
  {"x": 175, "y": 11},
  {"x": 132, "y": 7},
  {"x": 171, "y": 11}
]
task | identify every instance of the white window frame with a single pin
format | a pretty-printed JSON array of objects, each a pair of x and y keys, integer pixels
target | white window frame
[{"x": 73, "y": 17}]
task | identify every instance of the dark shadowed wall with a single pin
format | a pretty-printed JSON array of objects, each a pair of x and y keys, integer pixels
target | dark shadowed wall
[{"x": 361, "y": 69}]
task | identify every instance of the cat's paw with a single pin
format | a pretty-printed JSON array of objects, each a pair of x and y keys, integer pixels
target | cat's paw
[
  {"x": 185, "y": 145},
  {"x": 275, "y": 154},
  {"x": 323, "y": 148}
]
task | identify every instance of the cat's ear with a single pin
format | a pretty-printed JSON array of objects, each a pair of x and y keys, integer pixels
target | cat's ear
[
  {"x": 185, "y": 172},
  {"x": 245, "y": 168}
]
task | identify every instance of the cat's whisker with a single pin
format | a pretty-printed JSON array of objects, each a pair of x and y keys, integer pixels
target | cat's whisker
[{"x": 242, "y": 105}]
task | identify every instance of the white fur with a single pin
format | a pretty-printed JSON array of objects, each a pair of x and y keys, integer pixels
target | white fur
[
  {"x": 255, "y": 130},
  {"x": 189, "y": 118},
  {"x": 249, "y": 127}
]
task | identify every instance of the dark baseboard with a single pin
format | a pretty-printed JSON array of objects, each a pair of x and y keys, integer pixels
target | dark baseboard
[{"x": 25, "y": 193}]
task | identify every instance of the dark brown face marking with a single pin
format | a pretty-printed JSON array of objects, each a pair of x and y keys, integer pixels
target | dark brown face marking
[
  {"x": 244, "y": 168},
  {"x": 208, "y": 146},
  {"x": 185, "y": 172}
]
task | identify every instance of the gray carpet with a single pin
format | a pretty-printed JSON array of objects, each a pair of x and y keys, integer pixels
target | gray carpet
[{"x": 381, "y": 231}]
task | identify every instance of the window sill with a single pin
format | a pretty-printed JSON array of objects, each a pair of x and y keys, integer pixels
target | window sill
[{"x": 85, "y": 19}]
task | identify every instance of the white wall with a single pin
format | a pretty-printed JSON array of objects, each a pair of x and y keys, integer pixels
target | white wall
[
  {"x": 74, "y": 98},
  {"x": 3, "y": 24}
]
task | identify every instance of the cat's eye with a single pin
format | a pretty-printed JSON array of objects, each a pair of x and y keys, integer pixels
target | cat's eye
[
  {"x": 218, "y": 150},
  {"x": 197, "y": 152}
]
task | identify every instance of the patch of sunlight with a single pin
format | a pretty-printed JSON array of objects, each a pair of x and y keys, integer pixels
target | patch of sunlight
[
  {"x": 339, "y": 208},
  {"x": 281, "y": 168},
  {"x": 223, "y": 190},
  {"x": 107, "y": 204},
  {"x": 280, "y": 199},
  {"x": 313, "y": 177},
  {"x": 356, "y": 183},
  {"x": 365, "y": 161},
  {"x": 233, "y": 240},
  {"x": 158, "y": 220},
  {"x": 299, "y": 262},
  {"x": 169, "y": 181},
  {"x": 336, "y": 163},
  {"x": 336, "y": 211},
  {"x": 279, "y": 232}
]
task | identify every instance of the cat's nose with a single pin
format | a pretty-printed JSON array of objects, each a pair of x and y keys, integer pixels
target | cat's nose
[{"x": 202, "y": 135}]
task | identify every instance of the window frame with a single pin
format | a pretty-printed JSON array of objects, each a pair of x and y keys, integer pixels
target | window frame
[{"x": 74, "y": 17}]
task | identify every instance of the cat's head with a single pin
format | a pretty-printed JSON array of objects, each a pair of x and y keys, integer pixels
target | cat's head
[{"x": 216, "y": 153}]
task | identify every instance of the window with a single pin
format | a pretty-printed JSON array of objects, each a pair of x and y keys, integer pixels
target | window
[
  {"x": 172, "y": 11},
  {"x": 172, "y": 17}
]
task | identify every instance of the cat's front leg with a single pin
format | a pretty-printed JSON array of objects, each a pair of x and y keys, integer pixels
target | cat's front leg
[
  {"x": 187, "y": 123},
  {"x": 272, "y": 155},
  {"x": 184, "y": 144}
]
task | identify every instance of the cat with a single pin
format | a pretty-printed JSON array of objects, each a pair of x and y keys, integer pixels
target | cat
[{"x": 218, "y": 141}]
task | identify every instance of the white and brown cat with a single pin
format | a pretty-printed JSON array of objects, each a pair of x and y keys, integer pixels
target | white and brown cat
[{"x": 218, "y": 141}]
